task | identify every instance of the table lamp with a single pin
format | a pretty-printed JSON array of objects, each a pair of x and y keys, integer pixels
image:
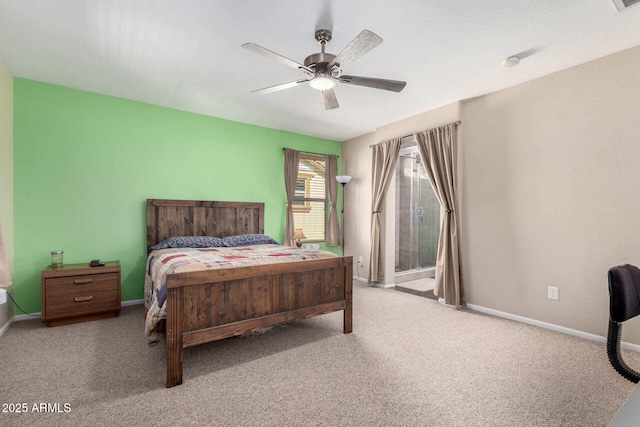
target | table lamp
[{"x": 298, "y": 235}]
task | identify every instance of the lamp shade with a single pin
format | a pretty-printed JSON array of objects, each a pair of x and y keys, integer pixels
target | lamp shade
[
  {"x": 343, "y": 179},
  {"x": 298, "y": 234}
]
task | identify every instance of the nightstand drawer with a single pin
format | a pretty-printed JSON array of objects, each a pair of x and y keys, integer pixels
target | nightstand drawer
[
  {"x": 71, "y": 285},
  {"x": 81, "y": 302}
]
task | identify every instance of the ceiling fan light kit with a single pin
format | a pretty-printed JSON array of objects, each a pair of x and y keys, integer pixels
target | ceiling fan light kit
[
  {"x": 323, "y": 70},
  {"x": 322, "y": 82}
]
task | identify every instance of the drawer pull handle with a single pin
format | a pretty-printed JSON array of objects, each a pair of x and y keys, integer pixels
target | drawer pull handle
[
  {"x": 82, "y": 299},
  {"x": 82, "y": 281}
]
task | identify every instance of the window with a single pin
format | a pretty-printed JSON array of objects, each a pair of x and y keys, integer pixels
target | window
[
  {"x": 303, "y": 191},
  {"x": 310, "y": 200}
]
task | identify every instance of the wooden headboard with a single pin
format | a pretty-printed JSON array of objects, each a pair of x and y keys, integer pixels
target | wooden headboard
[{"x": 170, "y": 218}]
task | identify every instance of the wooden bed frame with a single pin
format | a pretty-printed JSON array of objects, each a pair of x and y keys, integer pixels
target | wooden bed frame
[{"x": 206, "y": 306}]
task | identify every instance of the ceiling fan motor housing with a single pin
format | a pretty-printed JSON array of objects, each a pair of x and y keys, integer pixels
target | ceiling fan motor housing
[{"x": 320, "y": 61}]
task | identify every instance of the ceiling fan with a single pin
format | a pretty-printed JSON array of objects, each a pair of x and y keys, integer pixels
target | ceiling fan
[{"x": 322, "y": 70}]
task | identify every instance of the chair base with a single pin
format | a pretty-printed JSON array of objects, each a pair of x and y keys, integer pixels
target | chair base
[{"x": 613, "y": 351}]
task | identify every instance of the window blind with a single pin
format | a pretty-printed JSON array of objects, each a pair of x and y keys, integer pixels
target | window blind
[{"x": 310, "y": 201}]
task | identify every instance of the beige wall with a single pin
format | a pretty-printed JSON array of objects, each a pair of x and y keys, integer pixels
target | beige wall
[
  {"x": 552, "y": 193},
  {"x": 356, "y": 162},
  {"x": 549, "y": 175},
  {"x": 6, "y": 171}
]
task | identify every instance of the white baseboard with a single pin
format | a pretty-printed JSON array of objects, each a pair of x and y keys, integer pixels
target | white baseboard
[
  {"x": 550, "y": 326},
  {"x": 441, "y": 301},
  {"x": 375, "y": 285},
  {"x": 5, "y": 327},
  {"x": 132, "y": 302},
  {"x": 383, "y": 286},
  {"x": 30, "y": 316},
  {"x": 497, "y": 313}
]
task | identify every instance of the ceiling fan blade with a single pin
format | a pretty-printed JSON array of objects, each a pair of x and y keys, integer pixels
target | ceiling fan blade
[
  {"x": 392, "y": 85},
  {"x": 329, "y": 99},
  {"x": 363, "y": 43},
  {"x": 274, "y": 56},
  {"x": 276, "y": 88}
]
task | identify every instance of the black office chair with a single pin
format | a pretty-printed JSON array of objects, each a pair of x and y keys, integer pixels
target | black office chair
[{"x": 624, "y": 303}]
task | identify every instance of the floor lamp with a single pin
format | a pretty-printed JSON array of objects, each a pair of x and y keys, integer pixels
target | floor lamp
[{"x": 343, "y": 180}]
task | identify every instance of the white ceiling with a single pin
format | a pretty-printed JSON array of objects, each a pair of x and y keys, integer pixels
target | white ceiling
[{"x": 186, "y": 54}]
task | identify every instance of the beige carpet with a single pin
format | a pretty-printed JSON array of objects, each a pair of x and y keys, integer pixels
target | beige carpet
[{"x": 409, "y": 362}]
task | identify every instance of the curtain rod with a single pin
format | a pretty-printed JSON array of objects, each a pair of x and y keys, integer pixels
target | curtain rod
[
  {"x": 312, "y": 153},
  {"x": 456, "y": 123}
]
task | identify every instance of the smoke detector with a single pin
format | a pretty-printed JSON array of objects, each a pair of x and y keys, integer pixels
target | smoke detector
[
  {"x": 512, "y": 61},
  {"x": 624, "y": 4}
]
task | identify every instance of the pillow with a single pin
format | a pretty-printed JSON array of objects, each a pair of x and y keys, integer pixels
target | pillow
[
  {"x": 190, "y": 242},
  {"x": 247, "y": 240}
]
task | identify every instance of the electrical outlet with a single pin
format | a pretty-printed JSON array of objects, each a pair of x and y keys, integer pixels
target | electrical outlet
[
  {"x": 553, "y": 292},
  {"x": 3, "y": 296},
  {"x": 360, "y": 260}
]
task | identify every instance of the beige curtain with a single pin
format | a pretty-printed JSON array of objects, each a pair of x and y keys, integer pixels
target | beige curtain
[
  {"x": 333, "y": 229},
  {"x": 385, "y": 156},
  {"x": 438, "y": 149},
  {"x": 5, "y": 268},
  {"x": 291, "y": 162}
]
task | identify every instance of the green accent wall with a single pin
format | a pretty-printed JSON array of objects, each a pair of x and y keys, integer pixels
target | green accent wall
[{"x": 84, "y": 165}]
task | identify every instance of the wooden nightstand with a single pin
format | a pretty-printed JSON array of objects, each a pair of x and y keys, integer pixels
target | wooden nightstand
[{"x": 78, "y": 293}]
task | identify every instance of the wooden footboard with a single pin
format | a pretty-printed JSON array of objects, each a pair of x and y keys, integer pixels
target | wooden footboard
[{"x": 210, "y": 305}]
